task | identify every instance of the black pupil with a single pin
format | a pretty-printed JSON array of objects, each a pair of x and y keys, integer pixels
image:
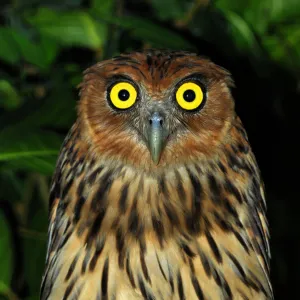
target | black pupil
[
  {"x": 123, "y": 95},
  {"x": 189, "y": 95}
]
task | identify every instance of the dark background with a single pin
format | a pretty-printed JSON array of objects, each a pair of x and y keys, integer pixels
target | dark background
[{"x": 44, "y": 47}]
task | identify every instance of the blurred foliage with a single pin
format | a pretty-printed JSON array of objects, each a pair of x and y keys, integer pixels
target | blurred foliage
[{"x": 44, "y": 47}]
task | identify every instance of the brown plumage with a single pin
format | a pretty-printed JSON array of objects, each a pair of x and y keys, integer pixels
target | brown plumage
[{"x": 158, "y": 200}]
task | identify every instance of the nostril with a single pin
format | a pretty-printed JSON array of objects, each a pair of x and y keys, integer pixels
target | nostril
[{"x": 156, "y": 120}]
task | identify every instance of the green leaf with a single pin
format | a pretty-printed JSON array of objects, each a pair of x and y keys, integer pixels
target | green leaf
[
  {"x": 8, "y": 50},
  {"x": 256, "y": 13},
  {"x": 285, "y": 10},
  {"x": 284, "y": 47},
  {"x": 168, "y": 9},
  {"x": 235, "y": 6},
  {"x": 16, "y": 45},
  {"x": 4, "y": 291},
  {"x": 29, "y": 149},
  {"x": 151, "y": 33},
  {"x": 69, "y": 28},
  {"x": 242, "y": 34},
  {"x": 31, "y": 52},
  {"x": 44, "y": 165},
  {"x": 103, "y": 6},
  {"x": 34, "y": 265},
  {"x": 11, "y": 186},
  {"x": 9, "y": 97},
  {"x": 57, "y": 110},
  {"x": 292, "y": 34},
  {"x": 261, "y": 14},
  {"x": 5, "y": 255},
  {"x": 25, "y": 143},
  {"x": 49, "y": 48}
]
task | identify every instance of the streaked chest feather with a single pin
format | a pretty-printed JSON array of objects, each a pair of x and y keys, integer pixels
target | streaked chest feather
[{"x": 122, "y": 234}]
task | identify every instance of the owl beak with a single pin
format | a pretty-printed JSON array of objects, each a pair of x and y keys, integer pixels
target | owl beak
[{"x": 157, "y": 134}]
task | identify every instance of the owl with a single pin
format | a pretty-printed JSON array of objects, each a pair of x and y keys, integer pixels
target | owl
[{"x": 156, "y": 193}]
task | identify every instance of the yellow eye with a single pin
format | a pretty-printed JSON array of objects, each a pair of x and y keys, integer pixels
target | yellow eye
[
  {"x": 123, "y": 95},
  {"x": 189, "y": 96}
]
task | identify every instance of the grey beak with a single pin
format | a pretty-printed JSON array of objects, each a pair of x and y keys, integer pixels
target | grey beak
[{"x": 157, "y": 134}]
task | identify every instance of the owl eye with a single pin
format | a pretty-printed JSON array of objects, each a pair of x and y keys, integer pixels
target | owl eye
[
  {"x": 123, "y": 95},
  {"x": 189, "y": 96}
]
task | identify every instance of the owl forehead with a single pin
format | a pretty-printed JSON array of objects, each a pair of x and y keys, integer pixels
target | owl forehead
[{"x": 159, "y": 72}]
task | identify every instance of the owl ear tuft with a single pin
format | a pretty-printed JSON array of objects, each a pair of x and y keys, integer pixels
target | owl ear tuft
[
  {"x": 229, "y": 81},
  {"x": 226, "y": 76}
]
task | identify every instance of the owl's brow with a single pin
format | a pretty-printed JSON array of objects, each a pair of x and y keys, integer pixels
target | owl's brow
[
  {"x": 128, "y": 65},
  {"x": 182, "y": 66},
  {"x": 120, "y": 77},
  {"x": 195, "y": 76},
  {"x": 126, "y": 59}
]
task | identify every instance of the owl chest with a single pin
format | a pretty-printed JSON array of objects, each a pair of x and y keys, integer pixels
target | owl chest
[
  {"x": 135, "y": 272},
  {"x": 130, "y": 243},
  {"x": 150, "y": 272}
]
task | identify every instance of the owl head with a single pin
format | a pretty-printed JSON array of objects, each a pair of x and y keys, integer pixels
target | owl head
[{"x": 155, "y": 108}]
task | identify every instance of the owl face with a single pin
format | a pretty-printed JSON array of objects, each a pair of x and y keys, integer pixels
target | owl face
[{"x": 156, "y": 108}]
